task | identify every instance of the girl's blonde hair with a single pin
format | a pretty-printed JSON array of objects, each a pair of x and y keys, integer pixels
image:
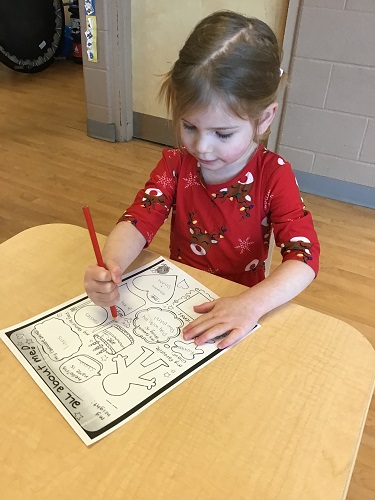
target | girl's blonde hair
[{"x": 228, "y": 58}]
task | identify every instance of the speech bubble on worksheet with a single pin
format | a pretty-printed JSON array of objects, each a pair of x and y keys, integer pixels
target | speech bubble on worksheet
[
  {"x": 91, "y": 316},
  {"x": 81, "y": 368},
  {"x": 155, "y": 325},
  {"x": 56, "y": 338}
]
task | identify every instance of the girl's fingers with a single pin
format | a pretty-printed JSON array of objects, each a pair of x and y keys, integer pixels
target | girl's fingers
[
  {"x": 100, "y": 287},
  {"x": 235, "y": 336},
  {"x": 105, "y": 299},
  {"x": 205, "y": 307},
  {"x": 199, "y": 326}
]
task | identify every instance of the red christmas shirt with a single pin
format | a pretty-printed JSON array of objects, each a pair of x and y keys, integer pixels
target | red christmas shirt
[{"x": 225, "y": 228}]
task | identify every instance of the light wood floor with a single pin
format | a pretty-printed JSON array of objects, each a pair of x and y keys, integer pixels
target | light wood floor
[{"x": 49, "y": 169}]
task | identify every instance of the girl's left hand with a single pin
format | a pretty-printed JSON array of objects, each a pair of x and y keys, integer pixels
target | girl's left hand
[
  {"x": 232, "y": 315},
  {"x": 237, "y": 316}
]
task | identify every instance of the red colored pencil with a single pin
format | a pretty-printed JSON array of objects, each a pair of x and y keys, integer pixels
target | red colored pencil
[{"x": 95, "y": 244}]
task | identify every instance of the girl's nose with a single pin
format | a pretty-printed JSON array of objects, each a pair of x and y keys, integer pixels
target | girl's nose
[{"x": 203, "y": 144}]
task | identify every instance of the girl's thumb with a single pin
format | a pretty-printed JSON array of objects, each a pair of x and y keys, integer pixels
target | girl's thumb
[{"x": 116, "y": 273}]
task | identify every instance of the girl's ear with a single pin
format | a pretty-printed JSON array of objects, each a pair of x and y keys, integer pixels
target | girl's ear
[{"x": 267, "y": 118}]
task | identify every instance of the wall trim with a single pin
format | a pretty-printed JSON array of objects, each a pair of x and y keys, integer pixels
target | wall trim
[
  {"x": 336, "y": 189},
  {"x": 153, "y": 129},
  {"x": 99, "y": 130}
]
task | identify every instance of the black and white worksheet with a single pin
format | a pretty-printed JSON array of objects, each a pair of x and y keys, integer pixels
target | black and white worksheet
[{"x": 98, "y": 371}]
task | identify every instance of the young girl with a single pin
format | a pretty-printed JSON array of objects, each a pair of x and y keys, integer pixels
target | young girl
[{"x": 226, "y": 191}]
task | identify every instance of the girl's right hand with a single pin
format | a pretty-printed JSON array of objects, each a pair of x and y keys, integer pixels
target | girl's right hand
[{"x": 102, "y": 284}]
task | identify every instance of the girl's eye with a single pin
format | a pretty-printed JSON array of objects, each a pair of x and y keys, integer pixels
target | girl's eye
[
  {"x": 188, "y": 127},
  {"x": 224, "y": 136}
]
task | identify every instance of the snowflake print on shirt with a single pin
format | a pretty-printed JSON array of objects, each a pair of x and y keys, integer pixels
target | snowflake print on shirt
[
  {"x": 191, "y": 180},
  {"x": 150, "y": 236},
  {"x": 267, "y": 200},
  {"x": 212, "y": 270},
  {"x": 173, "y": 152},
  {"x": 165, "y": 180},
  {"x": 244, "y": 245}
]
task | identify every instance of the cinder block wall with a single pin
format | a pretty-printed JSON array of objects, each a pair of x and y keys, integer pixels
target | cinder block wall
[{"x": 328, "y": 124}]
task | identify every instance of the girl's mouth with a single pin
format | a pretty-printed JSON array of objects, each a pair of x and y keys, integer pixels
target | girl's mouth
[{"x": 206, "y": 162}]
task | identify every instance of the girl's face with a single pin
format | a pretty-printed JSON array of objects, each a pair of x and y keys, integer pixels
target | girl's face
[{"x": 220, "y": 141}]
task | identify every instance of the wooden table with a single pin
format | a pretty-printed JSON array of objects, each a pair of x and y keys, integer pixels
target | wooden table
[{"x": 278, "y": 416}]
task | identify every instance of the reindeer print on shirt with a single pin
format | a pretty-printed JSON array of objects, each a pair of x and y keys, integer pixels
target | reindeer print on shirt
[
  {"x": 201, "y": 240},
  {"x": 151, "y": 197},
  {"x": 240, "y": 192}
]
